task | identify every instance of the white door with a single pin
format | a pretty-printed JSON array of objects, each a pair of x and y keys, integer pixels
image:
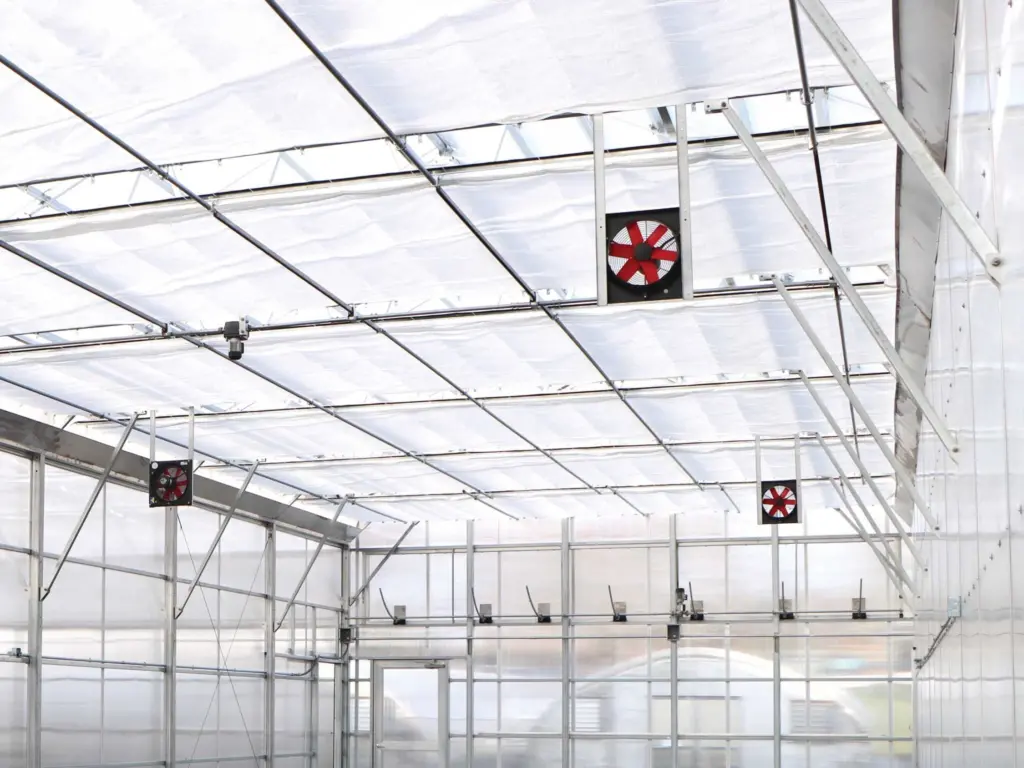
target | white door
[{"x": 410, "y": 714}]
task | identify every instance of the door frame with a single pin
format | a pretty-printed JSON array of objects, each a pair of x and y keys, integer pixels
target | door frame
[{"x": 443, "y": 746}]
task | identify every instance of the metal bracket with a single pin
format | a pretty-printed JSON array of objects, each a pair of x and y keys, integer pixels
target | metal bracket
[{"x": 618, "y": 608}]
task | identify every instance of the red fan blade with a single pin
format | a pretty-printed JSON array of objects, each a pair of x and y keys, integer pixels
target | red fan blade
[
  {"x": 650, "y": 270},
  {"x": 660, "y": 254},
  {"x": 621, "y": 250},
  {"x": 634, "y": 233},
  {"x": 657, "y": 234},
  {"x": 628, "y": 270}
]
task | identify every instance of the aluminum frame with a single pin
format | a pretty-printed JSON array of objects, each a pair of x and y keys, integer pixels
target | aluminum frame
[
  {"x": 911, "y": 144},
  {"x": 897, "y": 466},
  {"x": 900, "y": 369}
]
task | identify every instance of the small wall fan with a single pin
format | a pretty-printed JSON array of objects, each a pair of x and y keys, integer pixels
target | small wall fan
[
  {"x": 170, "y": 483},
  {"x": 643, "y": 256}
]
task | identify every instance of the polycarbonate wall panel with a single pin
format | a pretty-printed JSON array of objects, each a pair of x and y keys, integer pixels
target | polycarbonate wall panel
[
  {"x": 104, "y": 630},
  {"x": 14, "y": 609},
  {"x": 845, "y": 690},
  {"x": 970, "y": 698}
]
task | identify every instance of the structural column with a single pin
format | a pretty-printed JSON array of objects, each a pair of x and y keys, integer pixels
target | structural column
[
  {"x": 270, "y": 578},
  {"x": 342, "y": 674},
  {"x": 470, "y": 624},
  {"x": 35, "y": 614},
  {"x": 673, "y": 664},
  {"x": 566, "y": 562}
]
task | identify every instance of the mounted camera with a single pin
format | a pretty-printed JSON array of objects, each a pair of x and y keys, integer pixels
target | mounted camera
[{"x": 236, "y": 332}]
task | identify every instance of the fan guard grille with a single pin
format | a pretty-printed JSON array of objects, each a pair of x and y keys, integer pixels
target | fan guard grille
[{"x": 642, "y": 253}]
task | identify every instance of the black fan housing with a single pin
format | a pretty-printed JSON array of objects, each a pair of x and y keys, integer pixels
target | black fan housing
[
  {"x": 170, "y": 483},
  {"x": 642, "y": 256}
]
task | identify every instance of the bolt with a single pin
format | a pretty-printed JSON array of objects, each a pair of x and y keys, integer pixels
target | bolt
[{"x": 997, "y": 261}]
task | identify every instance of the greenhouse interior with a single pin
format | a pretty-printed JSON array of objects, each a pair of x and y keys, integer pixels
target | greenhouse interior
[{"x": 341, "y": 338}]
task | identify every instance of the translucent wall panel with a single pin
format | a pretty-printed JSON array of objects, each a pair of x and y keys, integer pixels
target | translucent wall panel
[{"x": 13, "y": 713}]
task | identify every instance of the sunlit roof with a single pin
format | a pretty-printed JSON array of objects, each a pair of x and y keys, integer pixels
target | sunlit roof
[{"x": 399, "y": 198}]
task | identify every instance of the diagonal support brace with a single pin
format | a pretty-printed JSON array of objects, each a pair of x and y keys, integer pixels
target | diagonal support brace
[
  {"x": 375, "y": 571},
  {"x": 865, "y": 475},
  {"x": 905, "y": 135},
  {"x": 216, "y": 540},
  {"x": 100, "y": 482},
  {"x": 899, "y": 367},
  {"x": 837, "y": 375},
  {"x": 309, "y": 567},
  {"x": 897, "y": 575}
]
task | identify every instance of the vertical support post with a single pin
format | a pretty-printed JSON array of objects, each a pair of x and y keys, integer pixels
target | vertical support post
[
  {"x": 342, "y": 675},
  {"x": 566, "y": 563},
  {"x": 776, "y": 608},
  {"x": 600, "y": 203},
  {"x": 312, "y": 740},
  {"x": 34, "y": 693},
  {"x": 683, "y": 169},
  {"x": 269, "y": 660},
  {"x": 673, "y": 665},
  {"x": 470, "y": 626},
  {"x": 170, "y": 713}
]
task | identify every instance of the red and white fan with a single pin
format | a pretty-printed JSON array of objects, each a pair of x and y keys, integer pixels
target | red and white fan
[
  {"x": 779, "y": 502},
  {"x": 643, "y": 252},
  {"x": 170, "y": 483}
]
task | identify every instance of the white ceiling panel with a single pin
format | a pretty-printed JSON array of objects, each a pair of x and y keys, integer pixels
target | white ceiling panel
[
  {"x": 174, "y": 261},
  {"x": 579, "y": 421},
  {"x": 768, "y": 409},
  {"x": 435, "y": 509},
  {"x": 739, "y": 226},
  {"x": 624, "y": 467},
  {"x": 692, "y": 502},
  {"x": 387, "y": 477},
  {"x": 736, "y": 463},
  {"x": 499, "y": 354},
  {"x": 166, "y": 373},
  {"x": 374, "y": 242},
  {"x": 427, "y": 66},
  {"x": 276, "y": 436},
  {"x": 340, "y": 365},
  {"x": 436, "y": 428},
  {"x": 34, "y": 300},
  {"x": 520, "y": 472},
  {"x": 564, "y": 504},
  {"x": 707, "y": 338},
  {"x": 179, "y": 81}
]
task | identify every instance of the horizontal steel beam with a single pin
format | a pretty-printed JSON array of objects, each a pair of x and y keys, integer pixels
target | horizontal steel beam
[{"x": 32, "y": 436}]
